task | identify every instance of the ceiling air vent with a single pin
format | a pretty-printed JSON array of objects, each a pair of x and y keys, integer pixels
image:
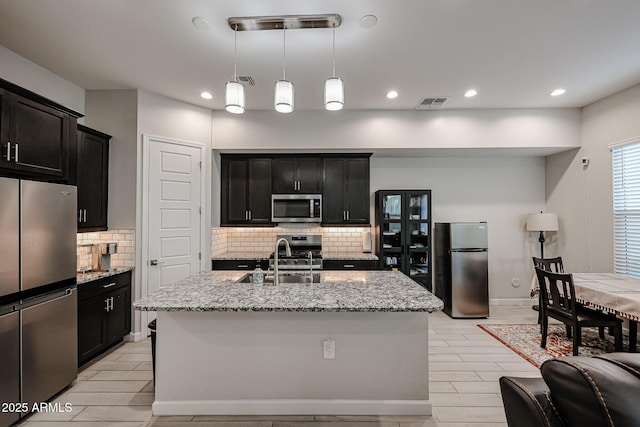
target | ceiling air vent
[
  {"x": 431, "y": 103},
  {"x": 247, "y": 79}
]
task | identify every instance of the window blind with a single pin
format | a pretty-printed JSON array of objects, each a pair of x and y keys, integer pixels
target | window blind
[{"x": 626, "y": 208}]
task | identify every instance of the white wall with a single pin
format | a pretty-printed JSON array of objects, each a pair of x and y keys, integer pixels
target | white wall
[
  {"x": 499, "y": 190},
  {"x": 115, "y": 112},
  {"x": 22, "y": 72},
  {"x": 585, "y": 239},
  {"x": 376, "y": 130}
]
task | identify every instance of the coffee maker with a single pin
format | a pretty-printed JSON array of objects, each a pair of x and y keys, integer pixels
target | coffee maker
[{"x": 102, "y": 256}]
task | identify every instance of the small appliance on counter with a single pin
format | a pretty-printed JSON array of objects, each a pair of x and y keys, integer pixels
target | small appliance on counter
[
  {"x": 366, "y": 241},
  {"x": 101, "y": 256}
]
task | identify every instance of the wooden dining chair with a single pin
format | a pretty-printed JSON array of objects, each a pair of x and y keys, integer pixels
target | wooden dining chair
[
  {"x": 558, "y": 301},
  {"x": 549, "y": 264}
]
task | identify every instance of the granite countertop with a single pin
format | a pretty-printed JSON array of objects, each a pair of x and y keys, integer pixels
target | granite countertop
[
  {"x": 242, "y": 255},
  {"x": 357, "y": 291},
  {"x": 236, "y": 255},
  {"x": 90, "y": 276},
  {"x": 352, "y": 255}
]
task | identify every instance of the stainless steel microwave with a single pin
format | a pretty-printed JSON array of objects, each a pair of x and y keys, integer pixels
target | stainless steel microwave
[{"x": 296, "y": 207}]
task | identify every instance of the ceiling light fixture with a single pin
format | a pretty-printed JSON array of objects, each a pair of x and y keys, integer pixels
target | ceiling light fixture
[
  {"x": 234, "y": 91},
  {"x": 392, "y": 94},
  {"x": 558, "y": 92},
  {"x": 334, "y": 86},
  {"x": 283, "y": 99},
  {"x": 470, "y": 93},
  {"x": 284, "y": 91},
  {"x": 206, "y": 95}
]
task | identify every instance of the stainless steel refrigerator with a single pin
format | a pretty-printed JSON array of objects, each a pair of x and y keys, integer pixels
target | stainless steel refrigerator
[
  {"x": 461, "y": 268},
  {"x": 38, "y": 300}
]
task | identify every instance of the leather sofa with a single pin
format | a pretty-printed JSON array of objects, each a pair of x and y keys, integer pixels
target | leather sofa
[{"x": 577, "y": 391}]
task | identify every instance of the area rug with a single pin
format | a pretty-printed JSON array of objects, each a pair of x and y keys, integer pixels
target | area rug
[{"x": 525, "y": 340}]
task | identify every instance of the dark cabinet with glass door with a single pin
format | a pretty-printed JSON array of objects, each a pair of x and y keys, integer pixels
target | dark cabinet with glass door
[{"x": 403, "y": 237}]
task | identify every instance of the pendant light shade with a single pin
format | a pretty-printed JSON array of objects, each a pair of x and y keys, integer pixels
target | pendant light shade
[
  {"x": 284, "y": 96},
  {"x": 334, "y": 86},
  {"x": 233, "y": 90},
  {"x": 234, "y": 97},
  {"x": 333, "y": 94}
]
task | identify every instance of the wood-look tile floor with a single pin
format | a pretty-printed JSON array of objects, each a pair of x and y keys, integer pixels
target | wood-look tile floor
[{"x": 465, "y": 364}]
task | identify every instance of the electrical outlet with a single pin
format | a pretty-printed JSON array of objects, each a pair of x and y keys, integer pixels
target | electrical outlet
[{"x": 329, "y": 349}]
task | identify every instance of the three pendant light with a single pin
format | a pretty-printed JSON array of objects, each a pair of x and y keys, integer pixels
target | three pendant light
[{"x": 284, "y": 89}]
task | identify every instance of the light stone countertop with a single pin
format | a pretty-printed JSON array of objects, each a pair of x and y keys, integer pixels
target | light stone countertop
[
  {"x": 354, "y": 291},
  {"x": 90, "y": 276},
  {"x": 234, "y": 255},
  {"x": 352, "y": 255}
]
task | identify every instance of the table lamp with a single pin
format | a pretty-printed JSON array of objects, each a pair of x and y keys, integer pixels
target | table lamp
[{"x": 542, "y": 222}]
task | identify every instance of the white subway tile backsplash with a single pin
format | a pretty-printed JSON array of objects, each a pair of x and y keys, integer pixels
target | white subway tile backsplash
[
  {"x": 124, "y": 258},
  {"x": 336, "y": 239}
]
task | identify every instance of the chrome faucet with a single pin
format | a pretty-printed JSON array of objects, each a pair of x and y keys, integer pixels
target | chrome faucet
[{"x": 276, "y": 276}]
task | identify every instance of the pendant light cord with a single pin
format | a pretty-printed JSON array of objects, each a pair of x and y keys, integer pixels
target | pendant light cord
[
  {"x": 235, "y": 54},
  {"x": 334, "y": 50},
  {"x": 284, "y": 53}
]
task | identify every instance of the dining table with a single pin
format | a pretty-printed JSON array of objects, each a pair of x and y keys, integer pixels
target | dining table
[{"x": 612, "y": 293}]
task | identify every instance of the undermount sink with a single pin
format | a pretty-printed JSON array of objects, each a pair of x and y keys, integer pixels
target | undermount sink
[{"x": 284, "y": 278}]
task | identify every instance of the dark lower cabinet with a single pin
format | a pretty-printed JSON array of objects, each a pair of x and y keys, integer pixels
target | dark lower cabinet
[
  {"x": 92, "y": 179},
  {"x": 239, "y": 264},
  {"x": 349, "y": 264},
  {"x": 104, "y": 314}
]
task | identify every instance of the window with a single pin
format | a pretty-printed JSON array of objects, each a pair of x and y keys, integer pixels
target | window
[{"x": 626, "y": 208}]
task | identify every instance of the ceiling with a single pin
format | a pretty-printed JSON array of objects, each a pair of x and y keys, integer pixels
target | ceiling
[{"x": 513, "y": 52}]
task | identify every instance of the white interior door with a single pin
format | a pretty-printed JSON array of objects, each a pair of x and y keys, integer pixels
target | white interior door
[{"x": 173, "y": 213}]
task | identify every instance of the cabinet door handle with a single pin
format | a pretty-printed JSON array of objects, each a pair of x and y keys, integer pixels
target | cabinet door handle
[
  {"x": 348, "y": 215},
  {"x": 15, "y": 149},
  {"x": 106, "y": 305},
  {"x": 79, "y": 215},
  {"x": 84, "y": 215},
  {"x": 249, "y": 215},
  {"x": 8, "y": 151},
  {"x": 111, "y": 303},
  {"x": 348, "y": 266},
  {"x": 344, "y": 215},
  {"x": 109, "y": 285},
  {"x": 242, "y": 266}
]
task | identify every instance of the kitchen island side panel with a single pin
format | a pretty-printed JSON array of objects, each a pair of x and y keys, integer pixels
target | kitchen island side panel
[{"x": 226, "y": 363}]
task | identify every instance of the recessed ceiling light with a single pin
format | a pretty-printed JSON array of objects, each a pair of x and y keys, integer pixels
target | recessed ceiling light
[
  {"x": 206, "y": 95},
  {"x": 470, "y": 93},
  {"x": 558, "y": 92},
  {"x": 368, "y": 21},
  {"x": 392, "y": 94},
  {"x": 201, "y": 23}
]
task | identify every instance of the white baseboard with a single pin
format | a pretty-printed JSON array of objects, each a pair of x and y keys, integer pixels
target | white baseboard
[
  {"x": 293, "y": 407},
  {"x": 134, "y": 336},
  {"x": 511, "y": 301}
]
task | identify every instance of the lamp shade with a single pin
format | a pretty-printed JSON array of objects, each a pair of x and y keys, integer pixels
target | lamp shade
[
  {"x": 283, "y": 99},
  {"x": 234, "y": 97},
  {"x": 542, "y": 222},
  {"x": 333, "y": 94}
]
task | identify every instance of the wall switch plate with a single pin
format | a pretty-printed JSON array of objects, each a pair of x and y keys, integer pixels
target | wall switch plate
[{"x": 329, "y": 349}]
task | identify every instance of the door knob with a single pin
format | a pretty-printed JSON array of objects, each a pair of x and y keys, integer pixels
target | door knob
[{"x": 155, "y": 262}]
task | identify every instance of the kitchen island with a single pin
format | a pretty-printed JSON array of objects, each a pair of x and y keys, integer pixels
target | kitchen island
[{"x": 356, "y": 343}]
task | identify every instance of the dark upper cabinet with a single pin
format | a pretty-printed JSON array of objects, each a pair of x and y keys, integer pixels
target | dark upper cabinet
[
  {"x": 245, "y": 190},
  {"x": 346, "y": 195},
  {"x": 296, "y": 175},
  {"x": 92, "y": 179},
  {"x": 37, "y": 136}
]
